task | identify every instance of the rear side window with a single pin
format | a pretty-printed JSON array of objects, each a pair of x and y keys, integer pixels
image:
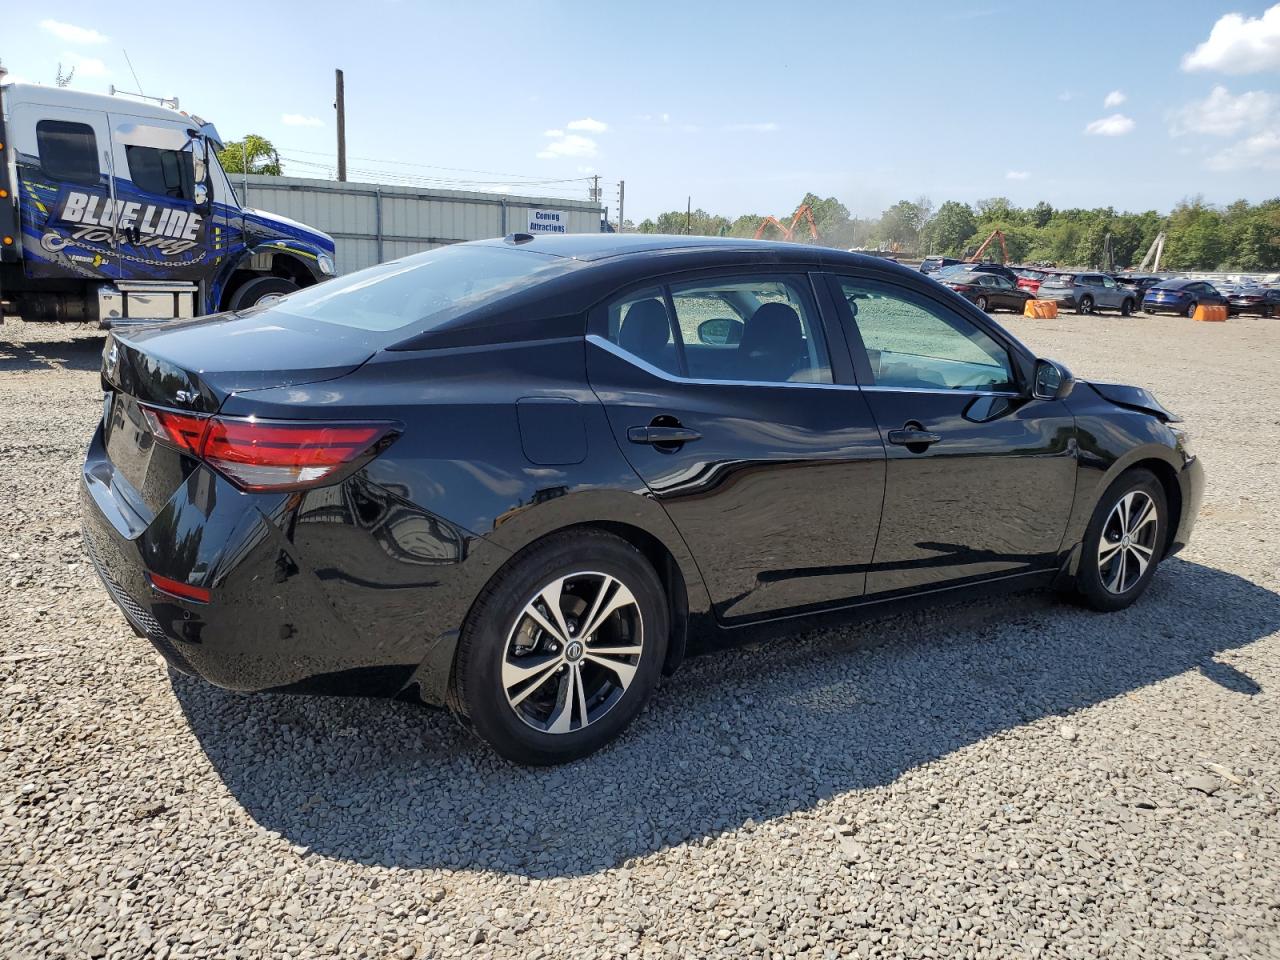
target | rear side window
[
  {"x": 166, "y": 173},
  {"x": 68, "y": 151},
  {"x": 748, "y": 329},
  {"x": 426, "y": 289}
]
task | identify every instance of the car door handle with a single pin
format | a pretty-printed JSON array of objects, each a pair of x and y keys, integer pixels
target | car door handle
[
  {"x": 910, "y": 437},
  {"x": 662, "y": 435}
]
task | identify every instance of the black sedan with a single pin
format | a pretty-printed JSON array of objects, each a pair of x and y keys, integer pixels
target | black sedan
[
  {"x": 1182, "y": 296},
  {"x": 521, "y": 477},
  {"x": 1264, "y": 301},
  {"x": 987, "y": 291}
]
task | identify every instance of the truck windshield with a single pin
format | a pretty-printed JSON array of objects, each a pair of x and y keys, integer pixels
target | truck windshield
[{"x": 426, "y": 289}]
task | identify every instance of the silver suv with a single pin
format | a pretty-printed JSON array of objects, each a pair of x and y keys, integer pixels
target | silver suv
[{"x": 1087, "y": 292}]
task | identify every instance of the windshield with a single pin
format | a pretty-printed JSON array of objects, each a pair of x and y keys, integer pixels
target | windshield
[{"x": 426, "y": 289}]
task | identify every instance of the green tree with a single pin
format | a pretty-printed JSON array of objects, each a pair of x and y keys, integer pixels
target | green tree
[
  {"x": 949, "y": 230},
  {"x": 253, "y": 154},
  {"x": 901, "y": 224}
]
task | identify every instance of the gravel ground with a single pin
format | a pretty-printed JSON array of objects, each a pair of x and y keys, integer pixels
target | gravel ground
[{"x": 1008, "y": 778}]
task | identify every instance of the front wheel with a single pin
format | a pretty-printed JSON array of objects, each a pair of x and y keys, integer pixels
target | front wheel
[
  {"x": 1124, "y": 542},
  {"x": 562, "y": 648},
  {"x": 260, "y": 291},
  {"x": 1086, "y": 305}
]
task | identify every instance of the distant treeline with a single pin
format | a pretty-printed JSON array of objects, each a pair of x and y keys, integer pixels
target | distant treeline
[{"x": 1199, "y": 236}]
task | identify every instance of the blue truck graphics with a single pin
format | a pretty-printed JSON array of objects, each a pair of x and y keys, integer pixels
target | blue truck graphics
[{"x": 83, "y": 241}]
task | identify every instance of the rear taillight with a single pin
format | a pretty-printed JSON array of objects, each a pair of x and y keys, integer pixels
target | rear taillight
[
  {"x": 271, "y": 454},
  {"x": 961, "y": 287}
]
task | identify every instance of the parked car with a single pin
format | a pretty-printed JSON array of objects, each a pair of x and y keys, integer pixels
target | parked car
[
  {"x": 1182, "y": 296},
  {"x": 1138, "y": 283},
  {"x": 1029, "y": 280},
  {"x": 1088, "y": 292},
  {"x": 959, "y": 269},
  {"x": 934, "y": 264},
  {"x": 363, "y": 486},
  {"x": 1264, "y": 301},
  {"x": 987, "y": 291}
]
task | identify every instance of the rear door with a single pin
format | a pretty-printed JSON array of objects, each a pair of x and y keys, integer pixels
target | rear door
[
  {"x": 65, "y": 167},
  {"x": 980, "y": 477},
  {"x": 735, "y": 404}
]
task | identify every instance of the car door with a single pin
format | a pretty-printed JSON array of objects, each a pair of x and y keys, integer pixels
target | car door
[
  {"x": 980, "y": 476},
  {"x": 744, "y": 423},
  {"x": 65, "y": 165},
  {"x": 1005, "y": 293},
  {"x": 1110, "y": 294}
]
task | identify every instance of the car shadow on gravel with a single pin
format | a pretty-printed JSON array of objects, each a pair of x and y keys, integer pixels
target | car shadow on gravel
[
  {"x": 737, "y": 736},
  {"x": 73, "y": 353}
]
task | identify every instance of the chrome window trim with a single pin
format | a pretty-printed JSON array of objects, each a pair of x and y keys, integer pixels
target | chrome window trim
[
  {"x": 617, "y": 351},
  {"x": 608, "y": 345}
]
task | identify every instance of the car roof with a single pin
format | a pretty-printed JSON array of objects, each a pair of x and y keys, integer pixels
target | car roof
[
  {"x": 598, "y": 246},
  {"x": 1177, "y": 283}
]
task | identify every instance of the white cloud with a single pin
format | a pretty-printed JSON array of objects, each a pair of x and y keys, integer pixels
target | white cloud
[
  {"x": 588, "y": 124},
  {"x": 666, "y": 118},
  {"x": 1114, "y": 99},
  {"x": 768, "y": 127},
  {"x": 300, "y": 120},
  {"x": 1238, "y": 44},
  {"x": 1116, "y": 125},
  {"x": 86, "y": 68},
  {"x": 570, "y": 145},
  {"x": 70, "y": 33},
  {"x": 1018, "y": 175},
  {"x": 1221, "y": 114},
  {"x": 1261, "y": 151}
]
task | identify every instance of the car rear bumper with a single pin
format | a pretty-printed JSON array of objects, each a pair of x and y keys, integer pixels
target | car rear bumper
[{"x": 342, "y": 589}]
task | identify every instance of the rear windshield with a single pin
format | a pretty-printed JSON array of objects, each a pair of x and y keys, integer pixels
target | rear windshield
[{"x": 426, "y": 289}]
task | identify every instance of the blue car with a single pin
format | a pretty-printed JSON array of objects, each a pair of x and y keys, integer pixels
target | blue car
[{"x": 1182, "y": 296}]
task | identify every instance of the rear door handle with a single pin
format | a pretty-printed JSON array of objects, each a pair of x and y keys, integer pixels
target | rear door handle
[
  {"x": 911, "y": 438},
  {"x": 662, "y": 435}
]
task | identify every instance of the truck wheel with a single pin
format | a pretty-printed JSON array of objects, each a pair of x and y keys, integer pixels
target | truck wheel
[{"x": 260, "y": 290}]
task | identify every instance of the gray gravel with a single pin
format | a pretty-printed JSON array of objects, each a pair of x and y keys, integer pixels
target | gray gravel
[{"x": 1009, "y": 778}]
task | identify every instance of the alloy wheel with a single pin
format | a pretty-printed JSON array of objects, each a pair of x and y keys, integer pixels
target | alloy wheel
[
  {"x": 572, "y": 652},
  {"x": 981, "y": 304},
  {"x": 1086, "y": 305},
  {"x": 1128, "y": 542}
]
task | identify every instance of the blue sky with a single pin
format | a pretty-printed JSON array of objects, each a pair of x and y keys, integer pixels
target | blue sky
[{"x": 744, "y": 106}]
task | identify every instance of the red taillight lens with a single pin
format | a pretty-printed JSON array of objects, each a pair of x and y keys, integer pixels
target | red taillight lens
[
  {"x": 269, "y": 454},
  {"x": 962, "y": 287}
]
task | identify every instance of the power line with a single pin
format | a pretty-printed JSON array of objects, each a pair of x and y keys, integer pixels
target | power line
[{"x": 434, "y": 166}]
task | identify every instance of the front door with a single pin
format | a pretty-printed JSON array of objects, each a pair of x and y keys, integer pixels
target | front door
[
  {"x": 722, "y": 394},
  {"x": 980, "y": 477}
]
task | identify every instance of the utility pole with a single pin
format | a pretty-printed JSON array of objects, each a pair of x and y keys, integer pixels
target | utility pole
[
  {"x": 595, "y": 189},
  {"x": 622, "y": 192},
  {"x": 340, "y": 104},
  {"x": 688, "y": 217}
]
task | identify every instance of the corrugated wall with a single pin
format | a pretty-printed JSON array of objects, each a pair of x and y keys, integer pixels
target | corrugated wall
[{"x": 372, "y": 223}]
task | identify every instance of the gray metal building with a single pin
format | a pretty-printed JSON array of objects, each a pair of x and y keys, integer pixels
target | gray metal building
[{"x": 373, "y": 222}]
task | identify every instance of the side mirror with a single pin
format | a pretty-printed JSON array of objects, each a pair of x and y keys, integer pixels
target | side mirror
[
  {"x": 1053, "y": 381},
  {"x": 721, "y": 332}
]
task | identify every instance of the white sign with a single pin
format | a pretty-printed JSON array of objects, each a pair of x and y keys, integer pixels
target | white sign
[{"x": 548, "y": 221}]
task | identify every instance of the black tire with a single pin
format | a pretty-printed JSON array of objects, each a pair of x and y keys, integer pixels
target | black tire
[
  {"x": 1126, "y": 308},
  {"x": 980, "y": 303},
  {"x": 260, "y": 289},
  {"x": 1191, "y": 311},
  {"x": 1085, "y": 305},
  {"x": 497, "y": 622},
  {"x": 1096, "y": 580}
]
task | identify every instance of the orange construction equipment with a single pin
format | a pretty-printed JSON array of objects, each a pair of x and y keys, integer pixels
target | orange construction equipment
[
  {"x": 1040, "y": 309},
  {"x": 789, "y": 233},
  {"x": 1004, "y": 250},
  {"x": 1214, "y": 314}
]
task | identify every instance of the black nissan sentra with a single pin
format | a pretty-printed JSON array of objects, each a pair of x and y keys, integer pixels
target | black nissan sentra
[{"x": 518, "y": 477}]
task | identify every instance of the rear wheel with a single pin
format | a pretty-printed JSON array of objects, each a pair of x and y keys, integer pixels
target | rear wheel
[
  {"x": 563, "y": 648},
  {"x": 980, "y": 303},
  {"x": 1191, "y": 310},
  {"x": 1085, "y": 305},
  {"x": 1124, "y": 542},
  {"x": 260, "y": 290}
]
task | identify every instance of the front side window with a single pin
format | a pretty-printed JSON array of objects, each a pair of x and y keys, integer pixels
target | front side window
[
  {"x": 165, "y": 173},
  {"x": 749, "y": 329},
  {"x": 68, "y": 151},
  {"x": 914, "y": 343}
]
